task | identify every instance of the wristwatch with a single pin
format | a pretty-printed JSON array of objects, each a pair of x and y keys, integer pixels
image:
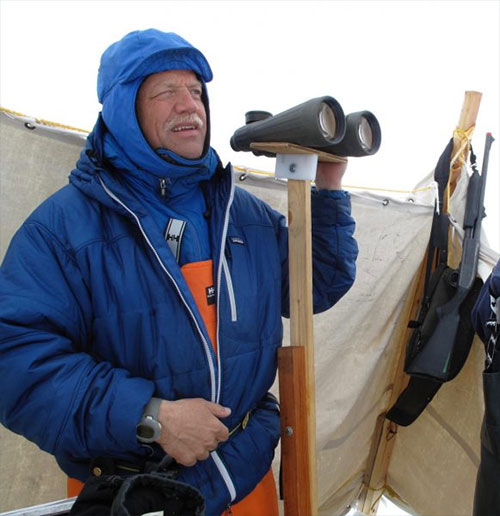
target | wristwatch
[{"x": 149, "y": 428}]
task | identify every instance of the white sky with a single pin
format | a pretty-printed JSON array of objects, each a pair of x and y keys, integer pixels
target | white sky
[{"x": 409, "y": 62}]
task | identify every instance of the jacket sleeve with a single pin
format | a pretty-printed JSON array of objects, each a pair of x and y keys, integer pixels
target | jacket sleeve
[
  {"x": 51, "y": 388},
  {"x": 334, "y": 250}
]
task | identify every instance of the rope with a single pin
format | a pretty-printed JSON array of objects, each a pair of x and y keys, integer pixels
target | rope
[
  {"x": 246, "y": 170},
  {"x": 464, "y": 136}
]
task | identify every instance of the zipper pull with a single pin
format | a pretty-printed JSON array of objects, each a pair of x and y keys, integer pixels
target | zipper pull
[
  {"x": 229, "y": 511},
  {"x": 163, "y": 186}
]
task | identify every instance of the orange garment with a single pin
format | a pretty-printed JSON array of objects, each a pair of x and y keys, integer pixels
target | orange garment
[
  {"x": 263, "y": 500},
  {"x": 73, "y": 487},
  {"x": 200, "y": 280}
]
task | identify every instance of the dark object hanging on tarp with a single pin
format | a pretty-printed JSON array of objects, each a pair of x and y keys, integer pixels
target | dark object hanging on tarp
[
  {"x": 442, "y": 335},
  {"x": 135, "y": 495}
]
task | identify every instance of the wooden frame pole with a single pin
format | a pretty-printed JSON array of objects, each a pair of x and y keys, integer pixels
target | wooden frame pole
[
  {"x": 296, "y": 364},
  {"x": 465, "y": 126}
]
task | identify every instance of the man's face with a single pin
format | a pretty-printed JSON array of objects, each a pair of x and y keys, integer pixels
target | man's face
[{"x": 171, "y": 113}]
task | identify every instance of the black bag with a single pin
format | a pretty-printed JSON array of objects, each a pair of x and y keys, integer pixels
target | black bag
[
  {"x": 429, "y": 361},
  {"x": 426, "y": 357},
  {"x": 135, "y": 495}
]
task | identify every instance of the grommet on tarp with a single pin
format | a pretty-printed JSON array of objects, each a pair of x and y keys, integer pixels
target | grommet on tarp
[
  {"x": 385, "y": 202},
  {"x": 29, "y": 126}
]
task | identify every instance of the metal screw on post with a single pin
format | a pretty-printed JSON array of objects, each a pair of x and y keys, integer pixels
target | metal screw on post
[
  {"x": 289, "y": 431},
  {"x": 292, "y": 167}
]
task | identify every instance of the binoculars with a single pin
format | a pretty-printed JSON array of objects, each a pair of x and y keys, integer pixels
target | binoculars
[{"x": 319, "y": 124}]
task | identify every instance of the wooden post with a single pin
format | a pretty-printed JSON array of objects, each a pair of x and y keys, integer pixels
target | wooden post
[
  {"x": 295, "y": 461},
  {"x": 296, "y": 362},
  {"x": 298, "y": 422},
  {"x": 466, "y": 123},
  {"x": 386, "y": 431}
]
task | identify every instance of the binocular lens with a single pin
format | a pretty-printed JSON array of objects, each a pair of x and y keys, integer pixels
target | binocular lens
[
  {"x": 365, "y": 134},
  {"x": 327, "y": 121}
]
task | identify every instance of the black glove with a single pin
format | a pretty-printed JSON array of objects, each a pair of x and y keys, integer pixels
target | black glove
[{"x": 111, "y": 495}]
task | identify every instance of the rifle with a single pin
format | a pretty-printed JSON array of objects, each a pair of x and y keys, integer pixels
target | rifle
[
  {"x": 436, "y": 359},
  {"x": 442, "y": 337}
]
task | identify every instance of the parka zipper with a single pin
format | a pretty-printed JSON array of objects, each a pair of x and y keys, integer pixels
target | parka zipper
[
  {"x": 225, "y": 475},
  {"x": 163, "y": 186},
  {"x": 215, "y": 395},
  {"x": 207, "y": 347},
  {"x": 229, "y": 283}
]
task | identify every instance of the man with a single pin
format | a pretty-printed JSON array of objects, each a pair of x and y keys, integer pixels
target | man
[
  {"x": 485, "y": 318},
  {"x": 141, "y": 304}
]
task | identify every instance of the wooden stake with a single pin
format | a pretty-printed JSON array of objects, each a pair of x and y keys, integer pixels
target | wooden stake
[
  {"x": 385, "y": 430},
  {"x": 296, "y": 479},
  {"x": 466, "y": 122},
  {"x": 296, "y": 364}
]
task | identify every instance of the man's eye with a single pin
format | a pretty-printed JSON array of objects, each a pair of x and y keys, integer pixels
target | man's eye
[
  {"x": 164, "y": 94},
  {"x": 196, "y": 92}
]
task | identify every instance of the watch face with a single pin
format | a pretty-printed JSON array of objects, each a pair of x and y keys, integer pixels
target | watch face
[
  {"x": 145, "y": 431},
  {"x": 149, "y": 429}
]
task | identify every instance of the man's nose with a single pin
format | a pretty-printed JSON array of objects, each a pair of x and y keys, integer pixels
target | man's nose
[{"x": 185, "y": 101}]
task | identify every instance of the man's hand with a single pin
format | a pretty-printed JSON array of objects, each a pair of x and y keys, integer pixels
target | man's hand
[
  {"x": 329, "y": 176},
  {"x": 191, "y": 429}
]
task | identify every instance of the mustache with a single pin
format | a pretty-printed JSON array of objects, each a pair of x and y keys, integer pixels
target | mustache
[{"x": 192, "y": 119}]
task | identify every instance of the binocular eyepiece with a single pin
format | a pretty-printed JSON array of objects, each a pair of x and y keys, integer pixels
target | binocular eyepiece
[{"x": 319, "y": 123}]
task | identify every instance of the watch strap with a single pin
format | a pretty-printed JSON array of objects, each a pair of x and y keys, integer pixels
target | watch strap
[{"x": 152, "y": 409}]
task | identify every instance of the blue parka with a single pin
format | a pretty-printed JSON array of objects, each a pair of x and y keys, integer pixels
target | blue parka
[
  {"x": 481, "y": 313},
  {"x": 484, "y": 316},
  {"x": 95, "y": 314}
]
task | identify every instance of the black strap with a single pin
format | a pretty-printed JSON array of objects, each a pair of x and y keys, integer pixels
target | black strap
[
  {"x": 439, "y": 231},
  {"x": 100, "y": 466},
  {"x": 420, "y": 391},
  {"x": 413, "y": 400}
]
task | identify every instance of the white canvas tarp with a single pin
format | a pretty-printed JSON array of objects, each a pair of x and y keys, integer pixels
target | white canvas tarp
[{"x": 356, "y": 348}]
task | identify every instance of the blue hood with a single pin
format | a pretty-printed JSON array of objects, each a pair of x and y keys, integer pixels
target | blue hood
[{"x": 124, "y": 66}]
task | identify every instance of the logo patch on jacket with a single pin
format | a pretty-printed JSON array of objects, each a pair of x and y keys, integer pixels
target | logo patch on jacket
[
  {"x": 210, "y": 291},
  {"x": 173, "y": 236}
]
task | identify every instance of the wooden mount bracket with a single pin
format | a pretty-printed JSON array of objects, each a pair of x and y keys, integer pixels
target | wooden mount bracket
[{"x": 292, "y": 148}]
